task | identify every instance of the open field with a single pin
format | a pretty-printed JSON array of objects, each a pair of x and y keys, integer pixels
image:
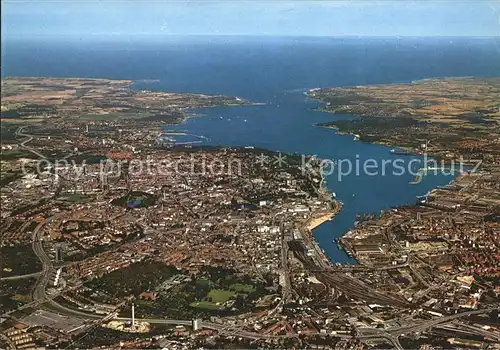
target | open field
[
  {"x": 449, "y": 113},
  {"x": 242, "y": 288},
  {"x": 34, "y": 98},
  {"x": 220, "y": 295}
]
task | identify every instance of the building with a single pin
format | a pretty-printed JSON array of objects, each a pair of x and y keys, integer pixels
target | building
[
  {"x": 196, "y": 323},
  {"x": 59, "y": 253}
]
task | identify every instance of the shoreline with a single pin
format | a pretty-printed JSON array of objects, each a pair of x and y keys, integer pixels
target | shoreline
[
  {"x": 320, "y": 217},
  {"x": 342, "y": 240},
  {"x": 322, "y": 191},
  {"x": 317, "y": 221},
  {"x": 317, "y": 218}
]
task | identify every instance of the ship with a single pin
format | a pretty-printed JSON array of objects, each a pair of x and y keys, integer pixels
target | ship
[
  {"x": 401, "y": 152},
  {"x": 358, "y": 220},
  {"x": 339, "y": 246}
]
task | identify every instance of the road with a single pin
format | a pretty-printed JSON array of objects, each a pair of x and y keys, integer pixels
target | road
[
  {"x": 431, "y": 323},
  {"x": 36, "y": 245},
  {"x": 20, "y": 277},
  {"x": 39, "y": 294},
  {"x": 393, "y": 334},
  {"x": 219, "y": 327},
  {"x": 375, "y": 334},
  {"x": 287, "y": 288},
  {"x": 9, "y": 343},
  {"x": 19, "y": 132}
]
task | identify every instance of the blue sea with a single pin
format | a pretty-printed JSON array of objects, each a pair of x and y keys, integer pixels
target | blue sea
[{"x": 275, "y": 72}]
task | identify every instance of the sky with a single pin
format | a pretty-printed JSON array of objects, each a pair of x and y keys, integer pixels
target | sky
[{"x": 90, "y": 18}]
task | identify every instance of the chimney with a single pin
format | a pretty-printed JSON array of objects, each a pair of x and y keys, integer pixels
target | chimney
[{"x": 133, "y": 315}]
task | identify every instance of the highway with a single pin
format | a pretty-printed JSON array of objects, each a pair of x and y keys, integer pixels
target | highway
[
  {"x": 210, "y": 325},
  {"x": 376, "y": 334},
  {"x": 390, "y": 335},
  {"x": 393, "y": 334},
  {"x": 20, "y": 277},
  {"x": 431, "y": 323},
  {"x": 19, "y": 132},
  {"x": 36, "y": 245},
  {"x": 38, "y": 292},
  {"x": 287, "y": 288}
]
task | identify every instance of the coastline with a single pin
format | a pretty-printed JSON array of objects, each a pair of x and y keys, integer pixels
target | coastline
[
  {"x": 342, "y": 240},
  {"x": 322, "y": 191},
  {"x": 318, "y": 218}
]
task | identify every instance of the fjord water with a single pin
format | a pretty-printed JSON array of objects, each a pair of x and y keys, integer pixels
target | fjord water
[{"x": 276, "y": 72}]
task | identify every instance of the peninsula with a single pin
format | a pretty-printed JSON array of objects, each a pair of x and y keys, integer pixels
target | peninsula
[{"x": 452, "y": 116}]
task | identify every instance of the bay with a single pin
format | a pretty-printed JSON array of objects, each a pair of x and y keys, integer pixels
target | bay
[{"x": 275, "y": 72}]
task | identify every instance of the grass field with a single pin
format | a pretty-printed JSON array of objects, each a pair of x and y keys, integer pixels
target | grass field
[
  {"x": 217, "y": 298},
  {"x": 117, "y": 115},
  {"x": 205, "y": 305},
  {"x": 220, "y": 295},
  {"x": 242, "y": 288},
  {"x": 202, "y": 282},
  {"x": 16, "y": 154},
  {"x": 75, "y": 198},
  {"x": 22, "y": 298}
]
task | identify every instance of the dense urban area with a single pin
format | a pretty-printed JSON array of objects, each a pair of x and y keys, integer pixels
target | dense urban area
[{"x": 116, "y": 235}]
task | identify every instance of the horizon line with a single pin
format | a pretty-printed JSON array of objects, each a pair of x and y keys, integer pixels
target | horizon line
[{"x": 166, "y": 35}]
